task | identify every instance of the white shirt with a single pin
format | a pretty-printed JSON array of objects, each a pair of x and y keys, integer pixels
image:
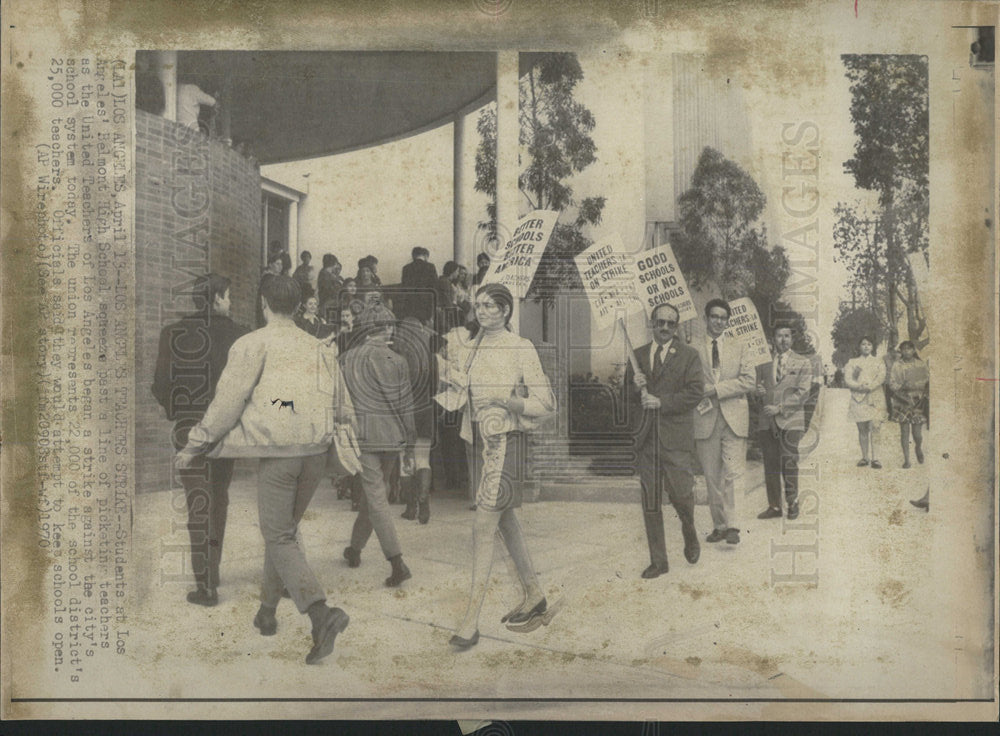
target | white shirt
[
  {"x": 663, "y": 355},
  {"x": 190, "y": 98},
  {"x": 708, "y": 345}
]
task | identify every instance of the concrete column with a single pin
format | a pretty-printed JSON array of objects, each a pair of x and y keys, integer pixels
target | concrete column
[
  {"x": 293, "y": 233},
  {"x": 460, "y": 242},
  {"x": 508, "y": 127},
  {"x": 166, "y": 70}
]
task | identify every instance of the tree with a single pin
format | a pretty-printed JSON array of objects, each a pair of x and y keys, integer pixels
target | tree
[
  {"x": 555, "y": 137},
  {"x": 889, "y": 109},
  {"x": 851, "y": 324},
  {"x": 722, "y": 245}
]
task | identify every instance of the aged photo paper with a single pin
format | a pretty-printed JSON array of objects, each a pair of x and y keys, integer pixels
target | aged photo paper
[{"x": 534, "y": 360}]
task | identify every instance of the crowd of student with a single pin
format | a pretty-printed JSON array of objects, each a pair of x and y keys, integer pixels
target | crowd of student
[{"x": 431, "y": 367}]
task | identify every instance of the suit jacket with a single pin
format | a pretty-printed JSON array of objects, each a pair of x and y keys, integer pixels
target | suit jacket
[
  {"x": 419, "y": 274},
  {"x": 736, "y": 379},
  {"x": 679, "y": 386},
  {"x": 378, "y": 381},
  {"x": 790, "y": 394}
]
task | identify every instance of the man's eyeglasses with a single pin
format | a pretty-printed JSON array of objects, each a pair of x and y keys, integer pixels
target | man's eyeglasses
[{"x": 664, "y": 323}]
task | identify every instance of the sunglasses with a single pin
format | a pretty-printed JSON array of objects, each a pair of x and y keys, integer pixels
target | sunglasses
[{"x": 664, "y": 323}]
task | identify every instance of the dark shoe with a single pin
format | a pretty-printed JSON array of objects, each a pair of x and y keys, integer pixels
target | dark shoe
[
  {"x": 769, "y": 513},
  {"x": 732, "y": 536},
  {"x": 204, "y": 596},
  {"x": 325, "y": 634},
  {"x": 906, "y": 465},
  {"x": 523, "y": 617},
  {"x": 424, "y": 511},
  {"x": 922, "y": 503},
  {"x": 460, "y": 643},
  {"x": 793, "y": 511},
  {"x": 654, "y": 572},
  {"x": 538, "y": 620},
  {"x": 862, "y": 463},
  {"x": 691, "y": 554},
  {"x": 920, "y": 455},
  {"x": 717, "y": 535},
  {"x": 876, "y": 465},
  {"x": 266, "y": 622},
  {"x": 411, "y": 510},
  {"x": 352, "y": 556},
  {"x": 400, "y": 572}
]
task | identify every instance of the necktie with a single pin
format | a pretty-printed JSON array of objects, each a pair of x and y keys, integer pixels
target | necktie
[
  {"x": 658, "y": 360},
  {"x": 779, "y": 369},
  {"x": 715, "y": 353}
]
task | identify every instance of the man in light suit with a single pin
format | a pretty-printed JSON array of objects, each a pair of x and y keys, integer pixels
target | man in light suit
[
  {"x": 670, "y": 373},
  {"x": 783, "y": 387},
  {"x": 722, "y": 418}
]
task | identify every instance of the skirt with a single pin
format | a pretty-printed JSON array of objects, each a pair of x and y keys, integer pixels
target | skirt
[{"x": 498, "y": 471}]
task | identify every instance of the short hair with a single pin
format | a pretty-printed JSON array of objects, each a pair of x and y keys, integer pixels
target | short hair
[
  {"x": 419, "y": 251},
  {"x": 784, "y": 326},
  {"x": 870, "y": 341},
  {"x": 652, "y": 315},
  {"x": 362, "y": 262},
  {"x": 306, "y": 255},
  {"x": 909, "y": 344},
  {"x": 483, "y": 257},
  {"x": 329, "y": 259},
  {"x": 282, "y": 294},
  {"x": 372, "y": 260},
  {"x": 286, "y": 262},
  {"x": 721, "y": 303},
  {"x": 501, "y": 295},
  {"x": 274, "y": 256},
  {"x": 207, "y": 287},
  {"x": 449, "y": 268}
]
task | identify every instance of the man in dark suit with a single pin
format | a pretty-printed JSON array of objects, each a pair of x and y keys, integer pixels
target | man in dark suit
[
  {"x": 669, "y": 385},
  {"x": 192, "y": 354},
  {"x": 782, "y": 388},
  {"x": 419, "y": 278}
]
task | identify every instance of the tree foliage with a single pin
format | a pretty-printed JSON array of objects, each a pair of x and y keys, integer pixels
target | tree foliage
[
  {"x": 851, "y": 324},
  {"x": 889, "y": 110},
  {"x": 555, "y": 139},
  {"x": 723, "y": 246}
]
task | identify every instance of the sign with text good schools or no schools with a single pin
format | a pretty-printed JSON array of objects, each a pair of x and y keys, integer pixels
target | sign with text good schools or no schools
[
  {"x": 515, "y": 265},
  {"x": 658, "y": 280},
  {"x": 745, "y": 326},
  {"x": 608, "y": 276}
]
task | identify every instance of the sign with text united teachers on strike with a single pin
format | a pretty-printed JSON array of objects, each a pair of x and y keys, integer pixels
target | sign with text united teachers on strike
[
  {"x": 515, "y": 264},
  {"x": 658, "y": 280},
  {"x": 607, "y": 272},
  {"x": 745, "y": 326}
]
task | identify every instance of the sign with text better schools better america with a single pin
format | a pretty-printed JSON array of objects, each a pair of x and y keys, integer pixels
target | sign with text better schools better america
[
  {"x": 608, "y": 277},
  {"x": 745, "y": 326},
  {"x": 515, "y": 264},
  {"x": 659, "y": 280}
]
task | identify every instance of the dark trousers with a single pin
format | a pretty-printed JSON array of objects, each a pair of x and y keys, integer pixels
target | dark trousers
[
  {"x": 780, "y": 449},
  {"x": 206, "y": 490},
  {"x": 669, "y": 470}
]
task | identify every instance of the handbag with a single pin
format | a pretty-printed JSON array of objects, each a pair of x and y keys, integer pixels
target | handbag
[{"x": 343, "y": 458}]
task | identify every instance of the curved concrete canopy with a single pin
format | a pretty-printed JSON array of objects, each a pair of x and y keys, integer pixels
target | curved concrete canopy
[{"x": 292, "y": 105}]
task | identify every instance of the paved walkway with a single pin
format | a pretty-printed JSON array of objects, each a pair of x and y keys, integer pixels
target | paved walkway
[{"x": 863, "y": 613}]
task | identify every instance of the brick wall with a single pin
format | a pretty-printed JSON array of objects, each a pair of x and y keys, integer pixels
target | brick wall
[{"x": 197, "y": 208}]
